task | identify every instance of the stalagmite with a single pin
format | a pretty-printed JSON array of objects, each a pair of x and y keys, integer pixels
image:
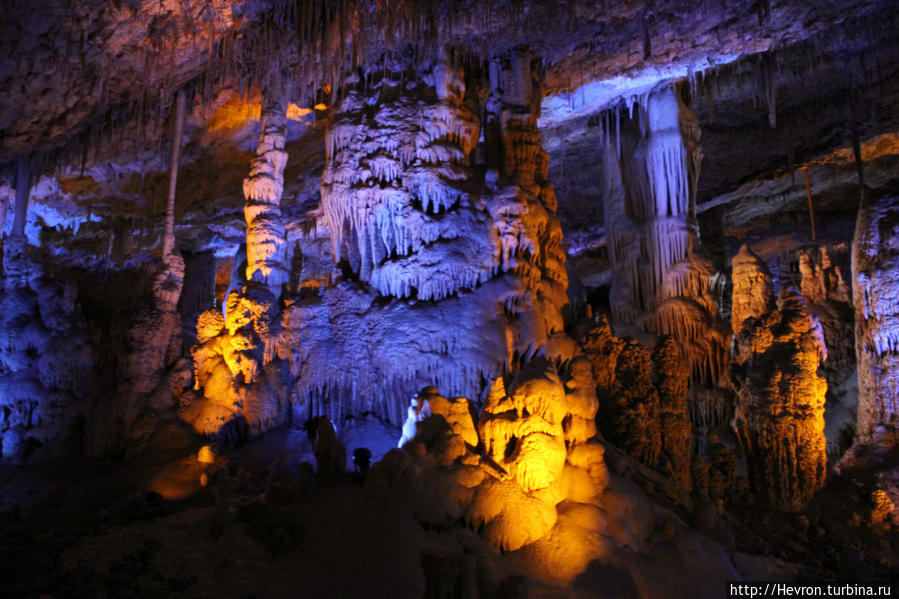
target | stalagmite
[
  {"x": 266, "y": 244},
  {"x": 875, "y": 261},
  {"x": 753, "y": 293},
  {"x": 168, "y": 236},
  {"x": 515, "y": 475},
  {"x": 780, "y": 402}
]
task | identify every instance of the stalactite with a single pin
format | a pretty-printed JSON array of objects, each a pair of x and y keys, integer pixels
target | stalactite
[
  {"x": 23, "y": 191},
  {"x": 168, "y": 236}
]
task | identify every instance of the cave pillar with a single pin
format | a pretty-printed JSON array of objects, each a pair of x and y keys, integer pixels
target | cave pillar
[
  {"x": 875, "y": 261},
  {"x": 661, "y": 281},
  {"x": 23, "y": 191},
  {"x": 658, "y": 155},
  {"x": 779, "y": 417},
  {"x": 419, "y": 205},
  {"x": 266, "y": 240},
  {"x": 16, "y": 266}
]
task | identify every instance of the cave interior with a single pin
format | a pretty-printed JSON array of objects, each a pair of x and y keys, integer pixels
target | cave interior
[{"x": 448, "y": 298}]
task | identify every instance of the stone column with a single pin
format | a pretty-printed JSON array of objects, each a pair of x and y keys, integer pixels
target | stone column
[
  {"x": 875, "y": 262},
  {"x": 661, "y": 281},
  {"x": 266, "y": 245},
  {"x": 779, "y": 416}
]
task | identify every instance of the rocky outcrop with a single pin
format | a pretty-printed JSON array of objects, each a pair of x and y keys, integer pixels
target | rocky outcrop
[
  {"x": 47, "y": 360},
  {"x": 875, "y": 261},
  {"x": 643, "y": 400},
  {"x": 779, "y": 416}
]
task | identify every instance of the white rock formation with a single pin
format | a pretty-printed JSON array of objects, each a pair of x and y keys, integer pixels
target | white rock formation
[
  {"x": 661, "y": 281},
  {"x": 266, "y": 243}
]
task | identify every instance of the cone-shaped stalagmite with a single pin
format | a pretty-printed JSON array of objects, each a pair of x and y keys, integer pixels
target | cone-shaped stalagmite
[{"x": 753, "y": 293}]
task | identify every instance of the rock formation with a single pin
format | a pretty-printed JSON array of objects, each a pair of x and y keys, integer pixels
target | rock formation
[
  {"x": 516, "y": 473},
  {"x": 779, "y": 416},
  {"x": 47, "y": 359},
  {"x": 874, "y": 263},
  {"x": 437, "y": 229},
  {"x": 753, "y": 293},
  {"x": 244, "y": 389},
  {"x": 662, "y": 282},
  {"x": 643, "y": 400},
  {"x": 266, "y": 243}
]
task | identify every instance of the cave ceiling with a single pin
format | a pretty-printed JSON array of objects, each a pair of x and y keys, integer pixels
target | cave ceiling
[{"x": 90, "y": 84}]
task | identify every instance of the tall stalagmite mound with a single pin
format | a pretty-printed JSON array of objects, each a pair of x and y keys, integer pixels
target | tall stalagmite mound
[{"x": 779, "y": 416}]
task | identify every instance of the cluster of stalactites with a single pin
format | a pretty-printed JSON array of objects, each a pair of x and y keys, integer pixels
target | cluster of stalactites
[
  {"x": 662, "y": 282},
  {"x": 266, "y": 246},
  {"x": 650, "y": 170},
  {"x": 403, "y": 202},
  {"x": 875, "y": 261}
]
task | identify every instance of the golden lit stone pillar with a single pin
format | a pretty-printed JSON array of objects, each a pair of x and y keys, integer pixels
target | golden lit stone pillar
[
  {"x": 266, "y": 246},
  {"x": 779, "y": 417}
]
